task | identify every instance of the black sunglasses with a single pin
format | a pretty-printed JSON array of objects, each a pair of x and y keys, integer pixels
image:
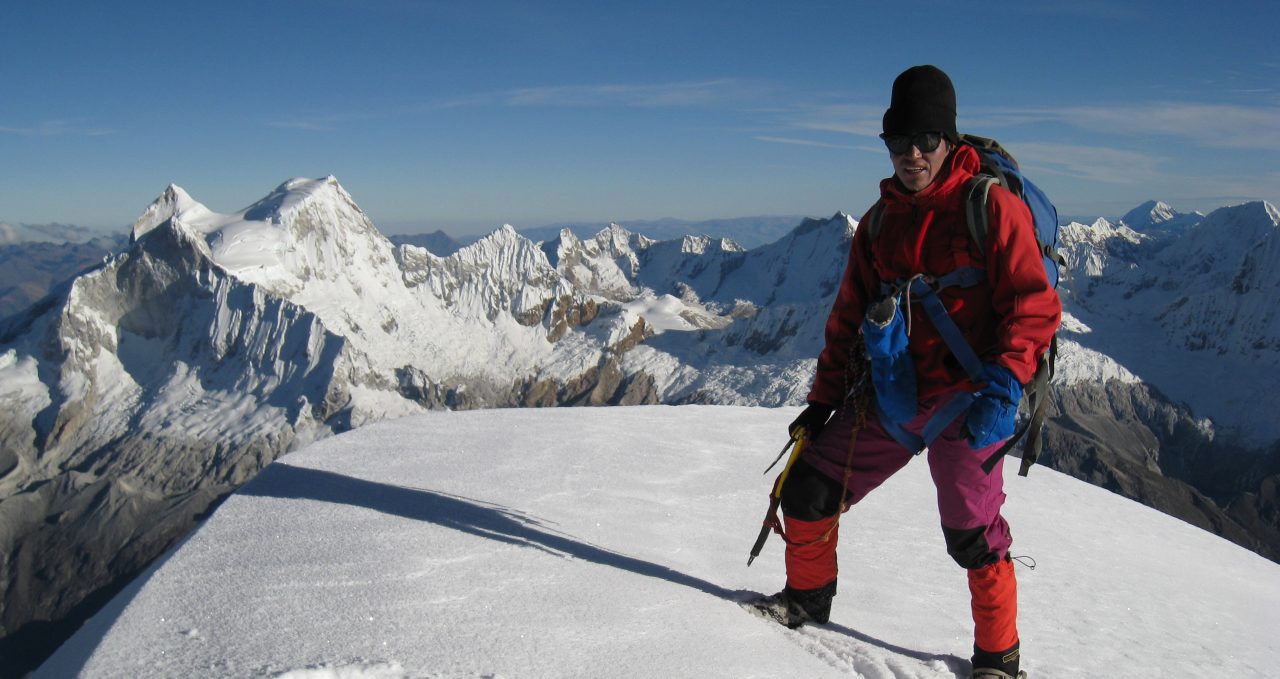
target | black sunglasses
[{"x": 902, "y": 143}]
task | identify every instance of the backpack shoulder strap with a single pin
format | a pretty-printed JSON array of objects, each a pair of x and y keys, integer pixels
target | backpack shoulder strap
[
  {"x": 975, "y": 207},
  {"x": 873, "y": 219}
]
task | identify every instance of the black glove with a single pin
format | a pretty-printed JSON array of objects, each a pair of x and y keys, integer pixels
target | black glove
[{"x": 812, "y": 419}]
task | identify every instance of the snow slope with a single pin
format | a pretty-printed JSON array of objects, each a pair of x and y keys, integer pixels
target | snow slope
[{"x": 612, "y": 542}]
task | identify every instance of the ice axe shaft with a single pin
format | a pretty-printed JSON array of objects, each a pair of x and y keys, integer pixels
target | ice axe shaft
[
  {"x": 782, "y": 452},
  {"x": 764, "y": 532},
  {"x": 771, "y": 522}
]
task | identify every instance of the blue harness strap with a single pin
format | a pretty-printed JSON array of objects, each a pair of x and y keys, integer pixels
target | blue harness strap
[
  {"x": 947, "y": 327},
  {"x": 925, "y": 290},
  {"x": 942, "y": 418}
]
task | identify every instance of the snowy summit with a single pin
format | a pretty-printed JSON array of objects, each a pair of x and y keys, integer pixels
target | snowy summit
[{"x": 612, "y": 543}]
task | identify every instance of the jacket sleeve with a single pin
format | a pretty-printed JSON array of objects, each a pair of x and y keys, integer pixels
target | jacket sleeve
[
  {"x": 844, "y": 322},
  {"x": 1027, "y": 307}
]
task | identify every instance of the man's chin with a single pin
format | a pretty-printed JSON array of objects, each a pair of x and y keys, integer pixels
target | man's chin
[{"x": 913, "y": 182}]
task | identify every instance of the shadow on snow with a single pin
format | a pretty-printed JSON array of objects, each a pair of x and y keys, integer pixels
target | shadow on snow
[{"x": 499, "y": 523}]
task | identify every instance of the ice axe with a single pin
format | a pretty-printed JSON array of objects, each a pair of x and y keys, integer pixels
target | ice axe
[{"x": 771, "y": 522}]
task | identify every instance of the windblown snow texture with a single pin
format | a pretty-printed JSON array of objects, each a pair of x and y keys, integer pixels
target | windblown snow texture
[{"x": 575, "y": 542}]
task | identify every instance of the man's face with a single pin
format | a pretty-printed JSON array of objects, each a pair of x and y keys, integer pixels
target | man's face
[{"x": 916, "y": 169}]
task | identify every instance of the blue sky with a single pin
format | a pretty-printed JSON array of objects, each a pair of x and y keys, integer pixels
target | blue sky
[{"x": 465, "y": 115}]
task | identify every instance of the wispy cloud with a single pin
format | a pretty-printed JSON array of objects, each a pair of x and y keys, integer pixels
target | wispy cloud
[
  {"x": 57, "y": 128},
  {"x": 323, "y": 124},
  {"x": 1209, "y": 125},
  {"x": 689, "y": 94},
  {"x": 1094, "y": 163},
  {"x": 1223, "y": 190},
  {"x": 1205, "y": 124},
  {"x": 809, "y": 142},
  {"x": 846, "y": 127},
  {"x": 333, "y": 121},
  {"x": 861, "y": 120},
  {"x": 658, "y": 95},
  {"x": 1102, "y": 10}
]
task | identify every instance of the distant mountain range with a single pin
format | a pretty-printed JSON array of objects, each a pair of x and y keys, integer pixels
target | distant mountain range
[
  {"x": 11, "y": 234},
  {"x": 139, "y": 392},
  {"x": 34, "y": 257},
  {"x": 30, "y": 268}
]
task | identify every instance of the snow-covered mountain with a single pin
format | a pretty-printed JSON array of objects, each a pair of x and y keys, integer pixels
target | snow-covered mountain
[
  {"x": 576, "y": 543},
  {"x": 1195, "y": 316},
  {"x": 751, "y": 232},
  {"x": 1157, "y": 218},
  {"x": 142, "y": 391},
  {"x": 145, "y": 389},
  {"x": 1186, "y": 326}
]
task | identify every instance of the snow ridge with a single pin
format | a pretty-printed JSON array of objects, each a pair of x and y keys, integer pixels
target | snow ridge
[{"x": 443, "y": 544}]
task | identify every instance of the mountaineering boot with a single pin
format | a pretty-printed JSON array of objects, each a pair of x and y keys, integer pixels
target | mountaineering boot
[
  {"x": 812, "y": 605},
  {"x": 993, "y": 673},
  {"x": 793, "y": 608},
  {"x": 1000, "y": 665}
]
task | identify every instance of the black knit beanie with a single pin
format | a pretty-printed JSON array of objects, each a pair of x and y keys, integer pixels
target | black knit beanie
[{"x": 923, "y": 101}]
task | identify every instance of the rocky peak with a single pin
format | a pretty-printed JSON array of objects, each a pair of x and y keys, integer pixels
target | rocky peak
[{"x": 172, "y": 202}]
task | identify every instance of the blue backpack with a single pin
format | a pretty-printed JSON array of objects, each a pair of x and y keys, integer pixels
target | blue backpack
[{"x": 998, "y": 167}]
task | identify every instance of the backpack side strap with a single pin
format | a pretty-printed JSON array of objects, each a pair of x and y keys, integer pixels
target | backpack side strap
[{"x": 1040, "y": 396}]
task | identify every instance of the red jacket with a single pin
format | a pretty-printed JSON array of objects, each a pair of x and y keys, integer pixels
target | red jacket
[{"x": 1009, "y": 318}]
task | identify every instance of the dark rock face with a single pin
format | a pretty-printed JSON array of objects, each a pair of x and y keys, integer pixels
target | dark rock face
[
  {"x": 87, "y": 501},
  {"x": 1131, "y": 440}
]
